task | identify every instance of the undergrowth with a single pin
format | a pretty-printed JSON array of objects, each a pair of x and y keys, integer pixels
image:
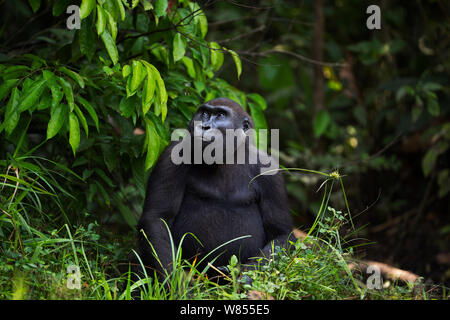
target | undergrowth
[{"x": 40, "y": 249}]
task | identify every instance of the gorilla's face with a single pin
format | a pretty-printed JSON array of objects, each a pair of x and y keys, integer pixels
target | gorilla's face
[{"x": 219, "y": 117}]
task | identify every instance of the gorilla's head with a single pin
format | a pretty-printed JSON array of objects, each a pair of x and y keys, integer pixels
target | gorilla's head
[{"x": 216, "y": 117}]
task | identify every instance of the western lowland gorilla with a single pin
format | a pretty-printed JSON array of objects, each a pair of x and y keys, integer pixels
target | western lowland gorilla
[{"x": 213, "y": 201}]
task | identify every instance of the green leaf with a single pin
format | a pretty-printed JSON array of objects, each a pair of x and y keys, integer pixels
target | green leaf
[
  {"x": 161, "y": 89},
  {"x": 148, "y": 91},
  {"x": 90, "y": 109},
  {"x": 258, "y": 100},
  {"x": 201, "y": 55},
  {"x": 110, "y": 5},
  {"x": 403, "y": 91},
  {"x": 152, "y": 143},
  {"x": 126, "y": 70},
  {"x": 57, "y": 119},
  {"x": 12, "y": 113},
  {"x": 210, "y": 95},
  {"x": 161, "y": 53},
  {"x": 108, "y": 70},
  {"x": 110, "y": 46},
  {"x": 432, "y": 86},
  {"x": 134, "y": 4},
  {"x": 200, "y": 21},
  {"x": 162, "y": 93},
  {"x": 36, "y": 62},
  {"x": 6, "y": 86},
  {"x": 74, "y": 132},
  {"x": 127, "y": 106},
  {"x": 216, "y": 55},
  {"x": 57, "y": 93},
  {"x": 75, "y": 76},
  {"x": 45, "y": 101},
  {"x": 160, "y": 128},
  {"x": 35, "y": 4},
  {"x": 419, "y": 101},
  {"x": 200, "y": 86},
  {"x": 68, "y": 92},
  {"x": 189, "y": 64},
  {"x": 432, "y": 104},
  {"x": 137, "y": 77},
  {"x": 203, "y": 23},
  {"x": 15, "y": 72},
  {"x": 121, "y": 8},
  {"x": 179, "y": 47},
  {"x": 257, "y": 116},
  {"x": 101, "y": 20},
  {"x": 233, "y": 261},
  {"x": 157, "y": 103},
  {"x": 237, "y": 62},
  {"x": 428, "y": 161},
  {"x": 260, "y": 123},
  {"x": 147, "y": 5},
  {"x": 86, "y": 7},
  {"x": 321, "y": 122},
  {"x": 86, "y": 38},
  {"x": 160, "y": 7},
  {"x": 112, "y": 25},
  {"x": 31, "y": 96},
  {"x": 82, "y": 119},
  {"x": 334, "y": 85},
  {"x": 128, "y": 87}
]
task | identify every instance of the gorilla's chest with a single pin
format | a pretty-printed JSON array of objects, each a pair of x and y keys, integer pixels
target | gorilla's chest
[
  {"x": 219, "y": 209},
  {"x": 227, "y": 188}
]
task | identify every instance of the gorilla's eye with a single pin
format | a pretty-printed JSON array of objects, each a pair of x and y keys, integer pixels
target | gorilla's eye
[
  {"x": 245, "y": 125},
  {"x": 204, "y": 114},
  {"x": 221, "y": 114}
]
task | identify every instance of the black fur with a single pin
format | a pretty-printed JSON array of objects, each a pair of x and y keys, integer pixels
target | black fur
[{"x": 215, "y": 203}]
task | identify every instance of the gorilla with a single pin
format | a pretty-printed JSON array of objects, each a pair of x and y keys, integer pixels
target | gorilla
[{"x": 213, "y": 201}]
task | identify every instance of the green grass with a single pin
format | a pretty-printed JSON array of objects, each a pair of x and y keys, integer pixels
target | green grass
[
  {"x": 311, "y": 272},
  {"x": 39, "y": 243}
]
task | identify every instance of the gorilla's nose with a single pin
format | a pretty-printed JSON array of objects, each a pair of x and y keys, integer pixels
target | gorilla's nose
[{"x": 206, "y": 127}]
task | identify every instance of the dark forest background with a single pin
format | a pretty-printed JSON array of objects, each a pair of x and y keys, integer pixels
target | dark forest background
[{"x": 372, "y": 103}]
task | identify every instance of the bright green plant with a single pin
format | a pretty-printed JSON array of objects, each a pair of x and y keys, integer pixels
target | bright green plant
[
  {"x": 104, "y": 99},
  {"x": 84, "y": 115}
]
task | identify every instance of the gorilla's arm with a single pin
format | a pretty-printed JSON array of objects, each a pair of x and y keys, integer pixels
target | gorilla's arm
[{"x": 165, "y": 191}]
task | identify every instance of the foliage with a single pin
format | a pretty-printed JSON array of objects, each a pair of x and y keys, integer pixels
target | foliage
[
  {"x": 85, "y": 113},
  {"x": 385, "y": 117},
  {"x": 34, "y": 264},
  {"x": 147, "y": 66}
]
